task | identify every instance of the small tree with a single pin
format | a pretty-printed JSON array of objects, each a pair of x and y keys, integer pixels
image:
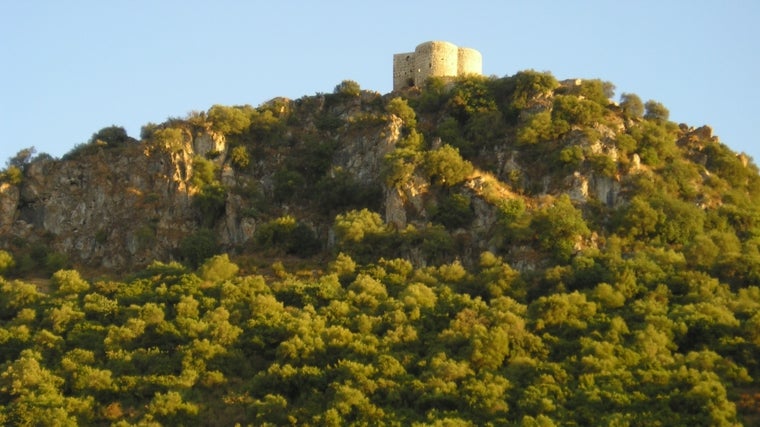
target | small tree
[
  {"x": 6, "y": 262},
  {"x": 348, "y": 88},
  {"x": 353, "y": 226},
  {"x": 530, "y": 84},
  {"x": 289, "y": 235},
  {"x": 69, "y": 282},
  {"x": 446, "y": 167},
  {"x": 170, "y": 139},
  {"x": 195, "y": 248},
  {"x": 399, "y": 107},
  {"x": 230, "y": 120},
  {"x": 595, "y": 90},
  {"x": 454, "y": 211},
  {"x": 111, "y": 135},
  {"x": 211, "y": 203},
  {"x": 12, "y": 175},
  {"x": 656, "y": 111},
  {"x": 204, "y": 172},
  {"x": 218, "y": 268},
  {"x": 537, "y": 129},
  {"x": 558, "y": 228},
  {"x": 22, "y": 158},
  {"x": 631, "y": 105},
  {"x": 239, "y": 157}
]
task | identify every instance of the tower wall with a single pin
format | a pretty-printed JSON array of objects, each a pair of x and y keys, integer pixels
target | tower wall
[
  {"x": 469, "y": 62},
  {"x": 403, "y": 70},
  {"x": 435, "y": 59}
]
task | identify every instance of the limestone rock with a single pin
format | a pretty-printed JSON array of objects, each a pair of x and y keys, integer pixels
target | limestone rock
[{"x": 113, "y": 208}]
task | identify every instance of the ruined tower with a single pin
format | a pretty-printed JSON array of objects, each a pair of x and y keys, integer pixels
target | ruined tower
[{"x": 434, "y": 59}]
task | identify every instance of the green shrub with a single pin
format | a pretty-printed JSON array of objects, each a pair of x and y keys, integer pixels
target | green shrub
[
  {"x": 288, "y": 235},
  {"x": 101, "y": 236},
  {"x": 147, "y": 131},
  {"x": 204, "y": 172},
  {"x": 576, "y": 111},
  {"x": 446, "y": 167},
  {"x": 348, "y": 88},
  {"x": 355, "y": 225},
  {"x": 603, "y": 164},
  {"x": 484, "y": 129},
  {"x": 146, "y": 235},
  {"x": 69, "y": 282},
  {"x": 656, "y": 111},
  {"x": 288, "y": 185},
  {"x": 594, "y": 90},
  {"x": 172, "y": 268},
  {"x": 399, "y": 107},
  {"x": 266, "y": 125},
  {"x": 625, "y": 143},
  {"x": 655, "y": 141},
  {"x": 558, "y": 228},
  {"x": 451, "y": 132},
  {"x": 454, "y": 211},
  {"x": 344, "y": 266},
  {"x": 218, "y": 268},
  {"x": 111, "y": 136},
  {"x": 399, "y": 166},
  {"x": 722, "y": 161},
  {"x": 470, "y": 96},
  {"x": 211, "y": 203},
  {"x": 22, "y": 158},
  {"x": 6, "y": 262},
  {"x": 529, "y": 85},
  {"x": 436, "y": 243},
  {"x": 197, "y": 247},
  {"x": 434, "y": 95},
  {"x": 12, "y": 175},
  {"x": 169, "y": 139},
  {"x": 239, "y": 157},
  {"x": 339, "y": 190},
  {"x": 55, "y": 261},
  {"x": 328, "y": 122},
  {"x": 572, "y": 156},
  {"x": 632, "y": 106},
  {"x": 538, "y": 128},
  {"x": 80, "y": 150},
  {"x": 230, "y": 120}
]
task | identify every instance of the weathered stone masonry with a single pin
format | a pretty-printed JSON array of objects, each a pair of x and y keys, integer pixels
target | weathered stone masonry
[{"x": 434, "y": 59}]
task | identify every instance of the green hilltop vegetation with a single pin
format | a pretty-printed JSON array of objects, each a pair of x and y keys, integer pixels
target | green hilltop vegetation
[{"x": 504, "y": 296}]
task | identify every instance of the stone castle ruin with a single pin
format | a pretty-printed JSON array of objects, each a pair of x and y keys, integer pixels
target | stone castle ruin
[{"x": 434, "y": 59}]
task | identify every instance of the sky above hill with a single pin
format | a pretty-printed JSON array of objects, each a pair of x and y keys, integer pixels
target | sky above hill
[{"x": 70, "y": 68}]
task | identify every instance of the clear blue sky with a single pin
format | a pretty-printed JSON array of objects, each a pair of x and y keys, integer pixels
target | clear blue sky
[{"x": 70, "y": 68}]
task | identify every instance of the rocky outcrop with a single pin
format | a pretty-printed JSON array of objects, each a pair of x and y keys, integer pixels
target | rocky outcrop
[
  {"x": 125, "y": 206},
  {"x": 582, "y": 187},
  {"x": 113, "y": 208},
  {"x": 9, "y": 197},
  {"x": 362, "y": 153}
]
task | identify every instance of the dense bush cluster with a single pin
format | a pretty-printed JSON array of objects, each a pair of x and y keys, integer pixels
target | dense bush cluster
[{"x": 382, "y": 343}]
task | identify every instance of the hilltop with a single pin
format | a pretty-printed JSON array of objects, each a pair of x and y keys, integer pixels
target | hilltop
[
  {"x": 486, "y": 250},
  {"x": 460, "y": 162}
]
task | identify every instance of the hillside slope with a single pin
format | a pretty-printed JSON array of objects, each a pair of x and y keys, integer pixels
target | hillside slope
[
  {"x": 511, "y": 250},
  {"x": 524, "y": 140}
]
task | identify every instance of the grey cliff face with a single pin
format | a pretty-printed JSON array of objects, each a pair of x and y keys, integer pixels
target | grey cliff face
[{"x": 110, "y": 208}]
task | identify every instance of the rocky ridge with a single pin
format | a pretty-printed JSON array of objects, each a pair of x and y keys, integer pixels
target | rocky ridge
[{"x": 118, "y": 208}]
